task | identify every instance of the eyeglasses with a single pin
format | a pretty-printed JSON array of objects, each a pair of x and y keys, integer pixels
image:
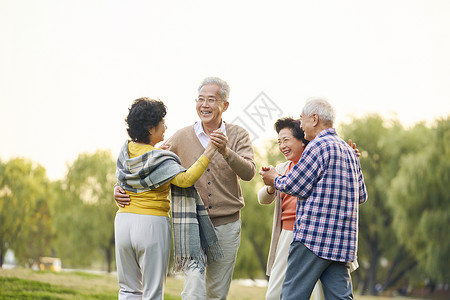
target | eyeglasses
[
  {"x": 201, "y": 100},
  {"x": 283, "y": 141}
]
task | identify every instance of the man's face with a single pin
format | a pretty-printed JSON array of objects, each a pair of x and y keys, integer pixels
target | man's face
[
  {"x": 210, "y": 105},
  {"x": 307, "y": 126}
]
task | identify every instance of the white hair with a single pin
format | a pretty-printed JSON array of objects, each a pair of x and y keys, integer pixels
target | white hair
[
  {"x": 321, "y": 107},
  {"x": 224, "y": 87}
]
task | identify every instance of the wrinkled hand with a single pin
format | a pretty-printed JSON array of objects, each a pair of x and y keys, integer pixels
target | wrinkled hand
[
  {"x": 353, "y": 145},
  {"x": 220, "y": 140},
  {"x": 268, "y": 175},
  {"x": 121, "y": 197}
]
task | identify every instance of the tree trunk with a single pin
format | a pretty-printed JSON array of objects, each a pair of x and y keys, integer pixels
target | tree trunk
[
  {"x": 399, "y": 275},
  {"x": 373, "y": 268},
  {"x": 259, "y": 254},
  {"x": 109, "y": 253},
  {"x": 403, "y": 263},
  {"x": 2, "y": 255},
  {"x": 108, "y": 259}
]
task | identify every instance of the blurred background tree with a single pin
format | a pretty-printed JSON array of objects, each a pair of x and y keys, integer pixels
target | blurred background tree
[
  {"x": 383, "y": 258},
  {"x": 420, "y": 201},
  {"x": 256, "y": 219},
  {"x": 86, "y": 210},
  {"x": 25, "y": 220}
]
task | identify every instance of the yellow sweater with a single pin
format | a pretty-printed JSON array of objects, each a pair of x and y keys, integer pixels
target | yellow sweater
[{"x": 156, "y": 202}]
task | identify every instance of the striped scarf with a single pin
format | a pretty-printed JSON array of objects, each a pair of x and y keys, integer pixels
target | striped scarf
[{"x": 195, "y": 239}]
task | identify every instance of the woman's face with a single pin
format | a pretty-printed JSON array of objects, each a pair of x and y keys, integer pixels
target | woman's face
[
  {"x": 291, "y": 147},
  {"x": 157, "y": 133}
]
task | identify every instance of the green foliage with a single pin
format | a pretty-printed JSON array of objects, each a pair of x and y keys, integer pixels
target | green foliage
[
  {"x": 256, "y": 220},
  {"x": 420, "y": 201},
  {"x": 256, "y": 230},
  {"x": 25, "y": 220},
  {"x": 86, "y": 211},
  {"x": 382, "y": 143},
  {"x": 407, "y": 175}
]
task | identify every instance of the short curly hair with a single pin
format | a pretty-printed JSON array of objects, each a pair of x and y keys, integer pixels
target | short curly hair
[
  {"x": 293, "y": 125},
  {"x": 144, "y": 114}
]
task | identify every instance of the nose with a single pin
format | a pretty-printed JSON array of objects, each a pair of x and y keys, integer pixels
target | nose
[{"x": 205, "y": 104}]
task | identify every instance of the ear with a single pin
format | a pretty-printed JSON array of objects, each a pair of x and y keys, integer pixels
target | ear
[
  {"x": 315, "y": 120},
  {"x": 225, "y": 106}
]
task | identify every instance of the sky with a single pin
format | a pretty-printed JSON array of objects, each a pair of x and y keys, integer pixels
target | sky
[{"x": 69, "y": 70}]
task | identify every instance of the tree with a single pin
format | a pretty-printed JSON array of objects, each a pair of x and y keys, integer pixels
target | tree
[
  {"x": 256, "y": 220},
  {"x": 382, "y": 143},
  {"x": 420, "y": 201},
  {"x": 86, "y": 210},
  {"x": 25, "y": 220}
]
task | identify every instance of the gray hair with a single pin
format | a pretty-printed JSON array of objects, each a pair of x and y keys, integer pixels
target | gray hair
[
  {"x": 321, "y": 107},
  {"x": 224, "y": 87}
]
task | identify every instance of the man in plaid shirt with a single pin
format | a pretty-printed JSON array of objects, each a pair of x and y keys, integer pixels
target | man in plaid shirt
[{"x": 329, "y": 184}]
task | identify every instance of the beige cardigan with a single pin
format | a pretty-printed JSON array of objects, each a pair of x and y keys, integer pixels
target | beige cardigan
[{"x": 219, "y": 185}]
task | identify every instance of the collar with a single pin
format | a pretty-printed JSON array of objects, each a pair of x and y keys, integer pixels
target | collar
[
  {"x": 201, "y": 133},
  {"x": 328, "y": 131}
]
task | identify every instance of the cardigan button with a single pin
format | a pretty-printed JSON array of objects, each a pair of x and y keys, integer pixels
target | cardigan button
[
  {"x": 209, "y": 195},
  {"x": 209, "y": 182},
  {"x": 210, "y": 207}
]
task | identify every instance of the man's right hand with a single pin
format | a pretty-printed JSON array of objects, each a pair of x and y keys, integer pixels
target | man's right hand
[{"x": 121, "y": 197}]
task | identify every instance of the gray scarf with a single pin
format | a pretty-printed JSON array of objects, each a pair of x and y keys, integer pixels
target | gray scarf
[{"x": 195, "y": 239}]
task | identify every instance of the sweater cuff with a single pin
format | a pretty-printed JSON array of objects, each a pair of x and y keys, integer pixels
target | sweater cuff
[{"x": 204, "y": 160}]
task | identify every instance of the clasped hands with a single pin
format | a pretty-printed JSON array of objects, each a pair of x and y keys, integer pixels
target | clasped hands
[{"x": 268, "y": 175}]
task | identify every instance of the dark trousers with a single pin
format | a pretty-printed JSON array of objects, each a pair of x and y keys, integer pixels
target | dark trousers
[{"x": 305, "y": 268}]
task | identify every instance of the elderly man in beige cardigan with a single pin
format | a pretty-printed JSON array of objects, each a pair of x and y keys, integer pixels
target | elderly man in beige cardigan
[{"x": 218, "y": 187}]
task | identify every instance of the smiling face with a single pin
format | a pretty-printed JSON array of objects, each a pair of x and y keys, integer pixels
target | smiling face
[
  {"x": 157, "y": 133},
  {"x": 210, "y": 106},
  {"x": 291, "y": 147},
  {"x": 308, "y": 126}
]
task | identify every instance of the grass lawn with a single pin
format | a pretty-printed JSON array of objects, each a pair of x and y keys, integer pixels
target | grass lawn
[{"x": 22, "y": 283}]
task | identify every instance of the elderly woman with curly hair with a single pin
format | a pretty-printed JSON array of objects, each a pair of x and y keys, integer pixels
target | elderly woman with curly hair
[{"x": 143, "y": 229}]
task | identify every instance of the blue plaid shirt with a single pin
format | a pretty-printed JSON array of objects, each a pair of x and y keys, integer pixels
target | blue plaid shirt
[{"x": 330, "y": 186}]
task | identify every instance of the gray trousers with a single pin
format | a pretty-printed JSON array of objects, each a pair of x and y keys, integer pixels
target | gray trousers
[
  {"x": 215, "y": 284},
  {"x": 142, "y": 255},
  {"x": 305, "y": 268}
]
